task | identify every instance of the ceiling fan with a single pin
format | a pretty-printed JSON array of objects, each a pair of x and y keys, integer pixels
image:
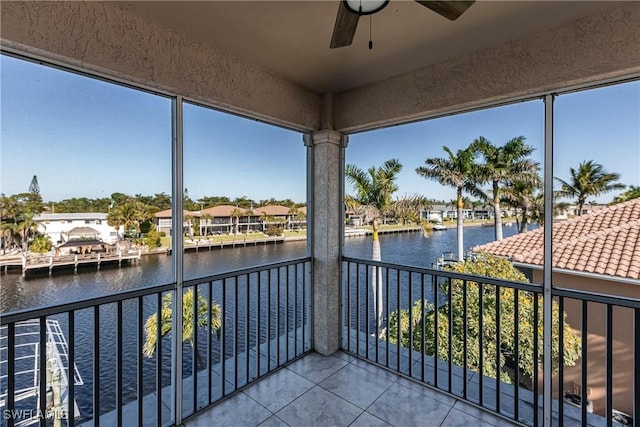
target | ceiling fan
[{"x": 349, "y": 13}]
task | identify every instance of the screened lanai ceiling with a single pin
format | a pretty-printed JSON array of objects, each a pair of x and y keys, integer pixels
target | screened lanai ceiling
[{"x": 291, "y": 38}]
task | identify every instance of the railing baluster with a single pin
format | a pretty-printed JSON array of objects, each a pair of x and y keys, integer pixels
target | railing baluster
[
  {"x": 423, "y": 315},
  {"x": 304, "y": 305},
  {"x": 194, "y": 351},
  {"x": 516, "y": 347},
  {"x": 386, "y": 305},
  {"x": 236, "y": 342},
  {"x": 209, "y": 341},
  {"x": 223, "y": 336},
  {"x": 259, "y": 324},
  {"x": 584, "y": 385},
  {"x": 367, "y": 316},
  {"x": 561, "y": 362},
  {"x": 410, "y": 325},
  {"x": 247, "y": 329},
  {"x": 268, "y": 321},
  {"x": 11, "y": 368},
  {"x": 295, "y": 311},
  {"x": 71, "y": 391},
  {"x": 609, "y": 378},
  {"x": 450, "y": 338},
  {"x": 498, "y": 365},
  {"x": 159, "y": 360},
  {"x": 278, "y": 319},
  {"x": 399, "y": 367},
  {"x": 140, "y": 372},
  {"x": 536, "y": 365},
  {"x": 348, "y": 304},
  {"x": 42, "y": 365},
  {"x": 357, "y": 310},
  {"x": 636, "y": 364},
  {"x": 480, "y": 343},
  {"x": 96, "y": 365},
  {"x": 436, "y": 342},
  {"x": 119, "y": 366},
  {"x": 286, "y": 314},
  {"x": 465, "y": 361}
]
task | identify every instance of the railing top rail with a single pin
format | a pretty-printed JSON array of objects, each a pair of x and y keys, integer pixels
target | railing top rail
[
  {"x": 225, "y": 275},
  {"x": 449, "y": 274},
  {"x": 31, "y": 313},
  {"x": 598, "y": 298}
]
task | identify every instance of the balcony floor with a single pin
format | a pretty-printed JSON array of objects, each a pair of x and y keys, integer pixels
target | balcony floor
[{"x": 340, "y": 390}]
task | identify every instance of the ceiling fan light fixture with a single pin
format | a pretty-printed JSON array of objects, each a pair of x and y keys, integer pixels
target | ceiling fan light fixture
[{"x": 365, "y": 7}]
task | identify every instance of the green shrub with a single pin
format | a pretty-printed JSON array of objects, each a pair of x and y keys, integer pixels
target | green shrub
[
  {"x": 40, "y": 244},
  {"x": 499, "y": 268},
  {"x": 153, "y": 239}
]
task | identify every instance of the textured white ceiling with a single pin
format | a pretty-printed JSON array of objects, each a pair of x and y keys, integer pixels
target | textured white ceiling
[{"x": 291, "y": 38}]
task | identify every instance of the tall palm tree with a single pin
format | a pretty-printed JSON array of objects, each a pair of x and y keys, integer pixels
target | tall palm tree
[
  {"x": 590, "y": 179},
  {"x": 503, "y": 165},
  {"x": 458, "y": 171},
  {"x": 373, "y": 190}
]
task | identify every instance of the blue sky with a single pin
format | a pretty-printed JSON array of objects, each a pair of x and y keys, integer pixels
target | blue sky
[{"x": 85, "y": 137}]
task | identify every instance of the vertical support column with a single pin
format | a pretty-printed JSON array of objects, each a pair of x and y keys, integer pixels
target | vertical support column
[
  {"x": 177, "y": 243},
  {"x": 548, "y": 261},
  {"x": 327, "y": 230}
]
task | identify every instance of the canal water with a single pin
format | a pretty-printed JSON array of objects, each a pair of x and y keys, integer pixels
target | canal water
[{"x": 35, "y": 291}]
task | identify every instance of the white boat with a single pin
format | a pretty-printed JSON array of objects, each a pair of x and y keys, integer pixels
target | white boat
[{"x": 439, "y": 227}]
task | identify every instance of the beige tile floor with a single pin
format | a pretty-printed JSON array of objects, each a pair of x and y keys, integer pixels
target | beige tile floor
[{"x": 340, "y": 390}]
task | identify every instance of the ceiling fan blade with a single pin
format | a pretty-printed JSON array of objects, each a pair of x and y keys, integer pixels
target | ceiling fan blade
[
  {"x": 451, "y": 10},
  {"x": 345, "y": 27}
]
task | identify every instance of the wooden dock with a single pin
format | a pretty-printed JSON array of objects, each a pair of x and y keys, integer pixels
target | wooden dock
[{"x": 50, "y": 262}]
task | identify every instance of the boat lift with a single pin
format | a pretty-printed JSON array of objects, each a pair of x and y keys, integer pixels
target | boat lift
[{"x": 27, "y": 376}]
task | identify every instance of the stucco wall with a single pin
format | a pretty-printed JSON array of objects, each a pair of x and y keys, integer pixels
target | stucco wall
[
  {"x": 102, "y": 37},
  {"x": 591, "y": 49},
  {"x": 623, "y": 335}
]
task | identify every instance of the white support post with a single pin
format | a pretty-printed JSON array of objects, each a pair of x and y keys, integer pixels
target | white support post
[
  {"x": 548, "y": 261},
  {"x": 177, "y": 238}
]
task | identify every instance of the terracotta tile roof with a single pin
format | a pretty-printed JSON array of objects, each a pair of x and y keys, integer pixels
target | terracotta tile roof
[
  {"x": 604, "y": 242},
  {"x": 167, "y": 213},
  {"x": 220, "y": 211},
  {"x": 275, "y": 210}
]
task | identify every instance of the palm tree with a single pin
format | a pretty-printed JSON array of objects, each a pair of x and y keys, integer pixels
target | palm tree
[
  {"x": 166, "y": 313},
  {"x": 590, "y": 179},
  {"x": 503, "y": 165},
  {"x": 206, "y": 220},
  {"x": 527, "y": 199},
  {"x": 456, "y": 171},
  {"x": 632, "y": 192},
  {"x": 26, "y": 227},
  {"x": 115, "y": 220},
  {"x": 10, "y": 235},
  {"x": 374, "y": 189},
  {"x": 235, "y": 215}
]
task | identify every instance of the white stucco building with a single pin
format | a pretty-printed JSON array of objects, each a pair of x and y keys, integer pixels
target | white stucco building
[{"x": 62, "y": 227}]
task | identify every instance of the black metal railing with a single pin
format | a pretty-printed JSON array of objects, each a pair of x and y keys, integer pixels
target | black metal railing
[
  {"x": 488, "y": 349},
  {"x": 265, "y": 323},
  {"x": 111, "y": 360}
]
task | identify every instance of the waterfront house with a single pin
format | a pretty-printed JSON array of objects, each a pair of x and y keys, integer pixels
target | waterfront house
[
  {"x": 62, "y": 227},
  {"x": 163, "y": 221},
  {"x": 272, "y": 61},
  {"x": 597, "y": 253}
]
